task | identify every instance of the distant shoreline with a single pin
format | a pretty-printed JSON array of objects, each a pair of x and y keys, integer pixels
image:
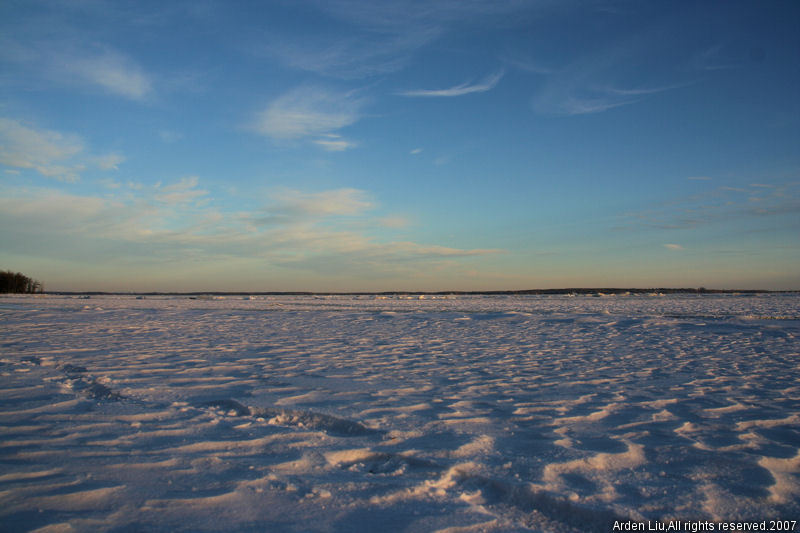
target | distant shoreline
[{"x": 534, "y": 292}]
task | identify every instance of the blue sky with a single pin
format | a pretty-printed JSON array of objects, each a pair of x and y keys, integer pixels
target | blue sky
[{"x": 420, "y": 145}]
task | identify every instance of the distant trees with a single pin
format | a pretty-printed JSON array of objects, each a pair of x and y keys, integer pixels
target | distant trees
[{"x": 19, "y": 283}]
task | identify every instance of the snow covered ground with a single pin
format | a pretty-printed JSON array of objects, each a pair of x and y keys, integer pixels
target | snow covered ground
[{"x": 471, "y": 413}]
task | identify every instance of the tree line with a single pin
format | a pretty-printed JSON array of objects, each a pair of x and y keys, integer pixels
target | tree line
[{"x": 17, "y": 282}]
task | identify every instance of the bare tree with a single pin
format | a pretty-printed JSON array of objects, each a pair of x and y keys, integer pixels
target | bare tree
[{"x": 16, "y": 282}]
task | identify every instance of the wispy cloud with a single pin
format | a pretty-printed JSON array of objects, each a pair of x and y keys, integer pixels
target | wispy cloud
[
  {"x": 525, "y": 64},
  {"x": 394, "y": 222},
  {"x": 334, "y": 143},
  {"x": 321, "y": 204},
  {"x": 291, "y": 206},
  {"x": 310, "y": 112},
  {"x": 721, "y": 206},
  {"x": 673, "y": 247},
  {"x": 182, "y": 192},
  {"x": 108, "y": 161},
  {"x": 170, "y": 136},
  {"x": 626, "y": 71},
  {"x": 43, "y": 150},
  {"x": 358, "y": 56},
  {"x": 482, "y": 86},
  {"x": 568, "y": 93},
  {"x": 52, "y": 154},
  {"x": 394, "y": 17},
  {"x": 726, "y": 56},
  {"x": 113, "y": 72},
  {"x": 640, "y": 91},
  {"x": 154, "y": 226},
  {"x": 380, "y": 37},
  {"x": 71, "y": 62}
]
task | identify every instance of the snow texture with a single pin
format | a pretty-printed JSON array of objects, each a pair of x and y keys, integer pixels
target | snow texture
[{"x": 346, "y": 413}]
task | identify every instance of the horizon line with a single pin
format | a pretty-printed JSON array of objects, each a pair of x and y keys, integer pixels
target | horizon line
[{"x": 556, "y": 291}]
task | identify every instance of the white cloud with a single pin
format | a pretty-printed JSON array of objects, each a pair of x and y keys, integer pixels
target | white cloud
[
  {"x": 394, "y": 222},
  {"x": 717, "y": 57},
  {"x": 110, "y": 184},
  {"x": 484, "y": 85},
  {"x": 728, "y": 208},
  {"x": 21, "y": 143},
  {"x": 66, "y": 58},
  {"x": 580, "y": 90},
  {"x": 182, "y": 192},
  {"x": 51, "y": 214},
  {"x": 568, "y": 95},
  {"x": 612, "y": 75},
  {"x": 354, "y": 57},
  {"x": 137, "y": 231},
  {"x": 108, "y": 161},
  {"x": 50, "y": 153},
  {"x": 411, "y": 249},
  {"x": 44, "y": 151},
  {"x": 526, "y": 64},
  {"x": 334, "y": 143},
  {"x": 583, "y": 105},
  {"x": 169, "y": 136},
  {"x": 113, "y": 72},
  {"x": 673, "y": 247},
  {"x": 381, "y": 37},
  {"x": 415, "y": 151},
  {"x": 308, "y": 111},
  {"x": 396, "y": 17},
  {"x": 325, "y": 203}
]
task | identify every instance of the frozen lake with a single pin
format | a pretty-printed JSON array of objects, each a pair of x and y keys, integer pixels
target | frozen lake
[{"x": 470, "y": 413}]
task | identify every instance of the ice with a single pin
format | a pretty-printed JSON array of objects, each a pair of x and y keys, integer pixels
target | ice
[{"x": 363, "y": 413}]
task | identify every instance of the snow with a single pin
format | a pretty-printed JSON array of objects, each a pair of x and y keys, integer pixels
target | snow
[{"x": 361, "y": 413}]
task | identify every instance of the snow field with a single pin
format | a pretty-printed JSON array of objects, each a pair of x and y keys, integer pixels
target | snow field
[{"x": 361, "y": 414}]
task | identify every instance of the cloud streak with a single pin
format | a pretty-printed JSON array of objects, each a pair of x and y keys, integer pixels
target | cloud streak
[
  {"x": 178, "y": 224},
  {"x": 721, "y": 205},
  {"x": 573, "y": 92},
  {"x": 183, "y": 192},
  {"x": 362, "y": 39},
  {"x": 487, "y": 84},
  {"x": 70, "y": 62},
  {"x": 113, "y": 72},
  {"x": 310, "y": 112},
  {"x": 334, "y": 143},
  {"x": 321, "y": 204},
  {"x": 359, "y": 56},
  {"x": 615, "y": 74},
  {"x": 52, "y": 154}
]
